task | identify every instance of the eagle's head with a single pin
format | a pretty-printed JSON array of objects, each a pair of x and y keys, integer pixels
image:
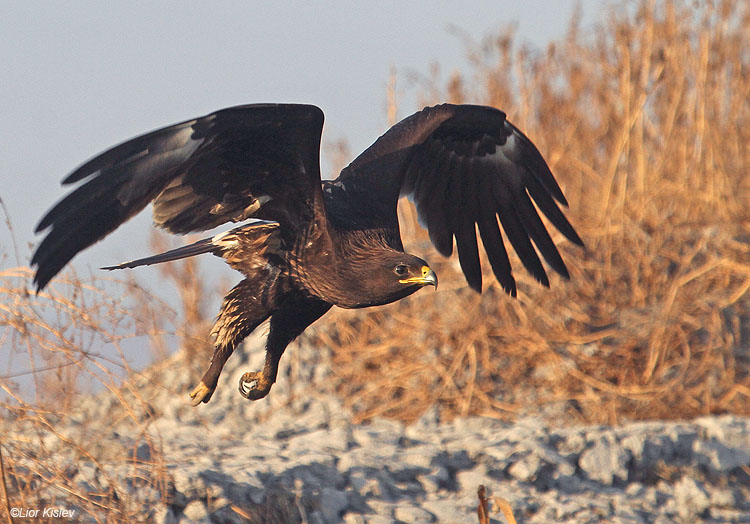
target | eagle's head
[{"x": 392, "y": 275}]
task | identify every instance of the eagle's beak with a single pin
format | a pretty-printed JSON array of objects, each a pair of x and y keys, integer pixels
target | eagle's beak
[{"x": 428, "y": 278}]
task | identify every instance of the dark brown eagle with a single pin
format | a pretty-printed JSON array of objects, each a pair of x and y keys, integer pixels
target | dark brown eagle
[{"x": 308, "y": 244}]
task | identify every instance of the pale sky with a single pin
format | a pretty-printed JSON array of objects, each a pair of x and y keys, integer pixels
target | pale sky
[{"x": 82, "y": 76}]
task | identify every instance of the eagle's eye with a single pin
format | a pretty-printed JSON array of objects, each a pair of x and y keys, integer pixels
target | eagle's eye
[{"x": 401, "y": 270}]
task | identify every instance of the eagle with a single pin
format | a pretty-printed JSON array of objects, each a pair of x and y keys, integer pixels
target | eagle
[{"x": 304, "y": 244}]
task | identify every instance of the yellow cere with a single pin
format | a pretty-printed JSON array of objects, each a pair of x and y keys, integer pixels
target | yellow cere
[{"x": 418, "y": 280}]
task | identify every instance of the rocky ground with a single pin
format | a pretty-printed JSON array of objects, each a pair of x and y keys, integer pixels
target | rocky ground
[{"x": 297, "y": 457}]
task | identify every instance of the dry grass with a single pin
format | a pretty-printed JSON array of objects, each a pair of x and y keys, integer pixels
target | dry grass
[
  {"x": 645, "y": 124},
  {"x": 61, "y": 345},
  {"x": 54, "y": 341}
]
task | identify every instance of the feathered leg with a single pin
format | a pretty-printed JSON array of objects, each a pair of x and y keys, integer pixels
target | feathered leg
[
  {"x": 293, "y": 316},
  {"x": 245, "y": 307}
]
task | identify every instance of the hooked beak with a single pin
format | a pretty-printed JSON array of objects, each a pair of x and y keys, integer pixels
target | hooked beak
[{"x": 428, "y": 278}]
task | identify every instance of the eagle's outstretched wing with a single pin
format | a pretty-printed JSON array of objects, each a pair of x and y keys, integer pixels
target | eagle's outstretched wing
[
  {"x": 463, "y": 166},
  {"x": 255, "y": 160}
]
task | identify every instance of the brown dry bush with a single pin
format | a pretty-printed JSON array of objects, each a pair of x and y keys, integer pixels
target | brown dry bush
[
  {"x": 646, "y": 124},
  {"x": 61, "y": 345},
  {"x": 55, "y": 344}
]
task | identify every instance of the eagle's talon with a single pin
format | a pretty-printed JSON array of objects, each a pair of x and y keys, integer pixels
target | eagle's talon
[
  {"x": 201, "y": 393},
  {"x": 248, "y": 382},
  {"x": 254, "y": 386}
]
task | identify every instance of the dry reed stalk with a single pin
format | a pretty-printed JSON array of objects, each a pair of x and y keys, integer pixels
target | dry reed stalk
[{"x": 502, "y": 505}]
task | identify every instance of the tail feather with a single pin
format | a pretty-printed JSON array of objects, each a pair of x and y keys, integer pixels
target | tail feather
[
  {"x": 219, "y": 245},
  {"x": 197, "y": 248}
]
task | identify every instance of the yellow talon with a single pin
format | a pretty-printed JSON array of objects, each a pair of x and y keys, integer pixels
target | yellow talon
[{"x": 201, "y": 393}]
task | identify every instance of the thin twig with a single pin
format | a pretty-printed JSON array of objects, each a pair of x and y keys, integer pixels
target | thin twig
[{"x": 4, "y": 488}]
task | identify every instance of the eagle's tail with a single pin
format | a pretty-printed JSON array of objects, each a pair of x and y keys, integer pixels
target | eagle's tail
[
  {"x": 221, "y": 245},
  {"x": 196, "y": 248}
]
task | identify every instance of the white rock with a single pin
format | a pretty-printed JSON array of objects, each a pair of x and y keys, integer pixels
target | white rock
[
  {"x": 195, "y": 510},
  {"x": 526, "y": 468},
  {"x": 413, "y": 515},
  {"x": 378, "y": 519},
  {"x": 435, "y": 480},
  {"x": 371, "y": 483},
  {"x": 605, "y": 462},
  {"x": 469, "y": 481},
  {"x": 690, "y": 497},
  {"x": 449, "y": 511},
  {"x": 164, "y": 515},
  {"x": 381, "y": 509}
]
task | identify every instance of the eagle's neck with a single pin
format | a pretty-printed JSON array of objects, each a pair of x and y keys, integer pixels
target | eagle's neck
[{"x": 339, "y": 273}]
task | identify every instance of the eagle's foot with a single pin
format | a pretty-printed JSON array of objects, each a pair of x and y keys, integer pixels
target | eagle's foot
[
  {"x": 201, "y": 393},
  {"x": 255, "y": 385}
]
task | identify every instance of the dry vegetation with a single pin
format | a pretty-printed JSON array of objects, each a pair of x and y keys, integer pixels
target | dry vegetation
[
  {"x": 53, "y": 343},
  {"x": 645, "y": 123},
  {"x": 73, "y": 339}
]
